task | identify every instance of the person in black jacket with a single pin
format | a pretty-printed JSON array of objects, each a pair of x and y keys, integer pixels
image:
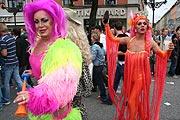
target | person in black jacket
[
  {"x": 175, "y": 53},
  {"x": 178, "y": 63},
  {"x": 22, "y": 46}
]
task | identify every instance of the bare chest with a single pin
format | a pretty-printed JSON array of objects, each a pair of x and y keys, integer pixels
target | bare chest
[
  {"x": 137, "y": 46},
  {"x": 39, "y": 48}
]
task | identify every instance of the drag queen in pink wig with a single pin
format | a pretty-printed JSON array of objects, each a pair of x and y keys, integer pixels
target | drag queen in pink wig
[
  {"x": 56, "y": 63},
  {"x": 134, "y": 101}
]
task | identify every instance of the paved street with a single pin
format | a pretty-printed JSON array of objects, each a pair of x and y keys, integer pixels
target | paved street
[{"x": 170, "y": 107}]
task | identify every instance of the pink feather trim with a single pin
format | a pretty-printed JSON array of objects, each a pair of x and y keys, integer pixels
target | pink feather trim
[{"x": 55, "y": 91}]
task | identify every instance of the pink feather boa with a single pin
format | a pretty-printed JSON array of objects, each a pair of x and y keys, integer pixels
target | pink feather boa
[{"x": 54, "y": 91}]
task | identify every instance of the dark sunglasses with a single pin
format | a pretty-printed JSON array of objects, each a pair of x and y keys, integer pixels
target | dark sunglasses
[
  {"x": 140, "y": 23},
  {"x": 44, "y": 20}
]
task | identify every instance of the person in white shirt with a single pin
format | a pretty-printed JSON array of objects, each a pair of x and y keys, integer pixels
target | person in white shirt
[{"x": 165, "y": 39}]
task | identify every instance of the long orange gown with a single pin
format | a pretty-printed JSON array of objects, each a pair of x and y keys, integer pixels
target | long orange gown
[
  {"x": 136, "y": 87},
  {"x": 134, "y": 102}
]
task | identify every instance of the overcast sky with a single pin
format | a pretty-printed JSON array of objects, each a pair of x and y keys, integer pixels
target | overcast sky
[{"x": 159, "y": 12}]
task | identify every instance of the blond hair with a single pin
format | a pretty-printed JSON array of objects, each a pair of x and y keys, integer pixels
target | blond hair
[
  {"x": 96, "y": 36},
  {"x": 3, "y": 27},
  {"x": 77, "y": 34}
]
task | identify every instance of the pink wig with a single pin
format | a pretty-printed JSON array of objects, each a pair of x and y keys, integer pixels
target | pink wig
[{"x": 53, "y": 9}]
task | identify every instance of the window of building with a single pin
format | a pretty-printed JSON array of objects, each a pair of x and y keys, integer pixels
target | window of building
[
  {"x": 11, "y": 3},
  {"x": 2, "y": 1},
  {"x": 87, "y": 2},
  {"x": 110, "y": 2},
  {"x": 66, "y": 2},
  {"x": 15, "y": 3}
]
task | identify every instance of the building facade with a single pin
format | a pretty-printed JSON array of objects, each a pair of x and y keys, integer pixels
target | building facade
[
  {"x": 171, "y": 19},
  {"x": 118, "y": 9},
  {"x": 177, "y": 13}
]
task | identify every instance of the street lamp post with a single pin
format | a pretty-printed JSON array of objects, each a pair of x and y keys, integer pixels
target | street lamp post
[
  {"x": 14, "y": 6},
  {"x": 153, "y": 5}
]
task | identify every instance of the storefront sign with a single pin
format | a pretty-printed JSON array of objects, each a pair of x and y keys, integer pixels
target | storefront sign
[
  {"x": 5, "y": 18},
  {"x": 115, "y": 12}
]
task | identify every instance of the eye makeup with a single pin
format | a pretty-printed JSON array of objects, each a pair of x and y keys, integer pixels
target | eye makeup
[
  {"x": 140, "y": 23},
  {"x": 36, "y": 21},
  {"x": 44, "y": 20}
]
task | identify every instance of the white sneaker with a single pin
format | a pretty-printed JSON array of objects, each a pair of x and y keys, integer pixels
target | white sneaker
[
  {"x": 175, "y": 76},
  {"x": 6, "y": 103}
]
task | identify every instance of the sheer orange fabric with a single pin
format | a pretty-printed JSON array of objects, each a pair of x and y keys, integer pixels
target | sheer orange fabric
[
  {"x": 112, "y": 53},
  {"x": 136, "y": 87},
  {"x": 134, "y": 102}
]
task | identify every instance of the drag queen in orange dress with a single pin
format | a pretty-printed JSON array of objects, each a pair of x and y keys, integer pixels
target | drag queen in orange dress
[{"x": 134, "y": 102}]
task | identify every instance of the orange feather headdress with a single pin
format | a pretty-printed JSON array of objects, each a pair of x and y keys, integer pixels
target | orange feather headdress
[{"x": 136, "y": 17}]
